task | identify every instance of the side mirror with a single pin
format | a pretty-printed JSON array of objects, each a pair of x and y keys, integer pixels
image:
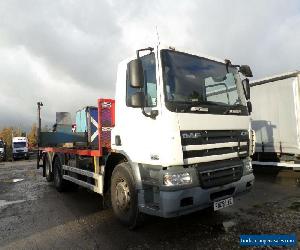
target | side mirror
[
  {"x": 136, "y": 73},
  {"x": 246, "y": 87},
  {"x": 246, "y": 71},
  {"x": 137, "y": 100}
]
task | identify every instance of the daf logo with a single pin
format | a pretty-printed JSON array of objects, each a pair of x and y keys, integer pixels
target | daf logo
[
  {"x": 191, "y": 135},
  {"x": 199, "y": 109},
  {"x": 243, "y": 133},
  {"x": 235, "y": 111}
]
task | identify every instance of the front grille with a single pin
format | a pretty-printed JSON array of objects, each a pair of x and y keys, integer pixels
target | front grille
[
  {"x": 220, "y": 174},
  {"x": 215, "y": 151},
  {"x": 20, "y": 150},
  {"x": 212, "y": 145},
  {"x": 192, "y": 137}
]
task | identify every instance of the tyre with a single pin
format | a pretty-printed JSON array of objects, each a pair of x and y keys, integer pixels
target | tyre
[
  {"x": 48, "y": 173},
  {"x": 59, "y": 182},
  {"x": 124, "y": 197}
]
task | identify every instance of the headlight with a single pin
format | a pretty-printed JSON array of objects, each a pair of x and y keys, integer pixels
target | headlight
[
  {"x": 177, "y": 179},
  {"x": 248, "y": 168}
]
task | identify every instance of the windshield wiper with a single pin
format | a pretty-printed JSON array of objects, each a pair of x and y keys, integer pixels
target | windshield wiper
[{"x": 204, "y": 102}]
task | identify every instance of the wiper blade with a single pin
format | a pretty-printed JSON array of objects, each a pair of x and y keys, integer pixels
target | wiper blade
[{"x": 204, "y": 102}]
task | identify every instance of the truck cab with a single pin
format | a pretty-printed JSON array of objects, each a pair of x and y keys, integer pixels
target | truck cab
[
  {"x": 183, "y": 123},
  {"x": 20, "y": 148}
]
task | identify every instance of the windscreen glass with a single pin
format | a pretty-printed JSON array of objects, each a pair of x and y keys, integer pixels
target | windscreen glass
[
  {"x": 190, "y": 79},
  {"x": 19, "y": 144}
]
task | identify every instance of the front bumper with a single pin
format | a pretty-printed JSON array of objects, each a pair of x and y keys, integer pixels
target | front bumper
[
  {"x": 180, "y": 202},
  {"x": 20, "y": 155}
]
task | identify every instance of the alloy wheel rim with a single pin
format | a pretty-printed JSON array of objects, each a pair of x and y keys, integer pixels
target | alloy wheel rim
[{"x": 122, "y": 195}]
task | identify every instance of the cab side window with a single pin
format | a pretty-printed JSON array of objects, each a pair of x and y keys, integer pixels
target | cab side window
[{"x": 149, "y": 89}]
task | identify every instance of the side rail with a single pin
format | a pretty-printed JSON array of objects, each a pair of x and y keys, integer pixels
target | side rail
[{"x": 96, "y": 186}]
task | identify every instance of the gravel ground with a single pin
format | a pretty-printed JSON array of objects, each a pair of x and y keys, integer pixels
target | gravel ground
[{"x": 34, "y": 216}]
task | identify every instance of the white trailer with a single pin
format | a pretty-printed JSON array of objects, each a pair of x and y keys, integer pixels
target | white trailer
[{"x": 276, "y": 120}]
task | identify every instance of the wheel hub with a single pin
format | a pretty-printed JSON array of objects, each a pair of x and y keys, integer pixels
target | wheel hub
[{"x": 122, "y": 195}]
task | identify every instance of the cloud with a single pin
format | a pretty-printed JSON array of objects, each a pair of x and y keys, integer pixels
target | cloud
[
  {"x": 65, "y": 53},
  {"x": 73, "y": 38},
  {"x": 26, "y": 80}
]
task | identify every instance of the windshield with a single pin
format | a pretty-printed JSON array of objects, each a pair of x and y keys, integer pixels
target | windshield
[
  {"x": 1, "y": 144},
  {"x": 19, "y": 144},
  {"x": 190, "y": 79}
]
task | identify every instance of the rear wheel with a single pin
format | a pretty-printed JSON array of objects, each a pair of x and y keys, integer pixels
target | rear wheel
[
  {"x": 59, "y": 182},
  {"x": 124, "y": 197},
  {"x": 48, "y": 173}
]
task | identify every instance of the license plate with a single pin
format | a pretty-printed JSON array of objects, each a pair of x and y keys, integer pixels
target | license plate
[{"x": 223, "y": 203}]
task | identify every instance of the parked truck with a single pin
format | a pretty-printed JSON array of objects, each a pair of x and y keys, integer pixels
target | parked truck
[
  {"x": 176, "y": 138},
  {"x": 276, "y": 120},
  {"x": 20, "y": 148},
  {"x": 2, "y": 150}
]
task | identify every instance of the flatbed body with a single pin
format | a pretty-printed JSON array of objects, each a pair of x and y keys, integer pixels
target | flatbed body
[{"x": 82, "y": 152}]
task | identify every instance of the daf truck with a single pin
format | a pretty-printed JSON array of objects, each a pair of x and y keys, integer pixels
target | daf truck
[
  {"x": 20, "y": 148},
  {"x": 276, "y": 120},
  {"x": 176, "y": 138}
]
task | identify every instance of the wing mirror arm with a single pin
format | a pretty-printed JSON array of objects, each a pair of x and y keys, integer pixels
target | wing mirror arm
[
  {"x": 152, "y": 115},
  {"x": 137, "y": 100}
]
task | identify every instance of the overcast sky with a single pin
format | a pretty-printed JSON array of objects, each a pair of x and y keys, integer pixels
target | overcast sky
[{"x": 65, "y": 53}]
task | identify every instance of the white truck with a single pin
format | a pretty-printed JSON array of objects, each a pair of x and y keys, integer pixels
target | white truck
[
  {"x": 2, "y": 151},
  {"x": 276, "y": 120},
  {"x": 176, "y": 139},
  {"x": 20, "y": 148}
]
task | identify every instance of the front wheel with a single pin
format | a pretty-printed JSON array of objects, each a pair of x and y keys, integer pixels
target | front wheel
[{"x": 124, "y": 197}]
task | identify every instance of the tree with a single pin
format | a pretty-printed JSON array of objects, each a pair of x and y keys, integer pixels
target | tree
[
  {"x": 32, "y": 136},
  {"x": 6, "y": 134}
]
